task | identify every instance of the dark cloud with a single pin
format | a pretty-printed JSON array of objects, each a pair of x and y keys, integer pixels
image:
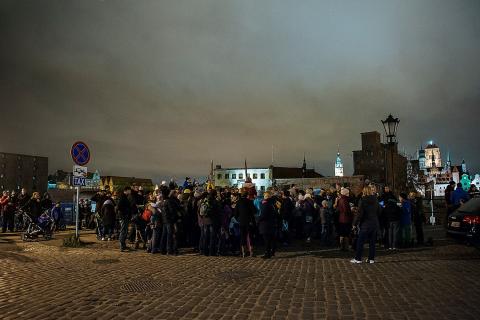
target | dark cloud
[{"x": 160, "y": 88}]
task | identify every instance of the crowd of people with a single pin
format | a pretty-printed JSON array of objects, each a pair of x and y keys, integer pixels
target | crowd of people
[
  {"x": 233, "y": 221},
  {"x": 13, "y": 205}
]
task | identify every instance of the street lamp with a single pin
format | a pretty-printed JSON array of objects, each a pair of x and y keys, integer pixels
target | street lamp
[{"x": 390, "y": 125}]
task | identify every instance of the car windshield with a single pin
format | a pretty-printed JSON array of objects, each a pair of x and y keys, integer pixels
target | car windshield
[{"x": 471, "y": 206}]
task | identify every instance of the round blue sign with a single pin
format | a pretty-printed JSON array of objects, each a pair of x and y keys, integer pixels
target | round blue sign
[{"x": 80, "y": 153}]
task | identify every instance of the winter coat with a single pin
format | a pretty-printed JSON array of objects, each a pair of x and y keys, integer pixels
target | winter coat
[
  {"x": 124, "y": 207},
  {"x": 34, "y": 207},
  {"x": 406, "y": 217},
  {"x": 369, "y": 211},
  {"x": 286, "y": 210},
  {"x": 170, "y": 211},
  {"x": 391, "y": 212},
  {"x": 245, "y": 211},
  {"x": 108, "y": 213},
  {"x": 344, "y": 210},
  {"x": 309, "y": 210},
  {"x": 459, "y": 195},
  {"x": 267, "y": 219},
  {"x": 57, "y": 213}
]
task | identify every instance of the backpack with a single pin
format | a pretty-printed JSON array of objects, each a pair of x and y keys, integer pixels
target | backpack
[{"x": 206, "y": 208}]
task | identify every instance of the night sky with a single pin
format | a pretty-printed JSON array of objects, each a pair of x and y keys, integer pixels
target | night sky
[{"x": 159, "y": 88}]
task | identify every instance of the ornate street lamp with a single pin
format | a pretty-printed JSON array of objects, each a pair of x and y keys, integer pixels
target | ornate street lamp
[{"x": 390, "y": 125}]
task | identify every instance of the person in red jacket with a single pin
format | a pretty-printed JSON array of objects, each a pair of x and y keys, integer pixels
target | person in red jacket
[{"x": 345, "y": 218}]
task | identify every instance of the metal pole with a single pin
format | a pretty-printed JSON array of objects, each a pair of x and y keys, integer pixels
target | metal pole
[
  {"x": 76, "y": 212},
  {"x": 393, "y": 173}
]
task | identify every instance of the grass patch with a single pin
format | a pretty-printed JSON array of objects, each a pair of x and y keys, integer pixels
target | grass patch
[{"x": 73, "y": 241}]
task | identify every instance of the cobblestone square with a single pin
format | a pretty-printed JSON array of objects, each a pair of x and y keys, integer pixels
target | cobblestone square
[{"x": 42, "y": 280}]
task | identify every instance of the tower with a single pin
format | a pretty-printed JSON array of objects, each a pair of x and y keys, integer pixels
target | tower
[
  {"x": 304, "y": 167},
  {"x": 464, "y": 167},
  {"x": 433, "y": 159},
  {"x": 421, "y": 159},
  {"x": 338, "y": 166},
  {"x": 448, "y": 164}
]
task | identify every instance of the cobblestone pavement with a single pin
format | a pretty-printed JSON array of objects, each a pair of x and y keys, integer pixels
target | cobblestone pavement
[{"x": 42, "y": 280}]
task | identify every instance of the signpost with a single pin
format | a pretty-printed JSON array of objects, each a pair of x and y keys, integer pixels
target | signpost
[{"x": 81, "y": 156}]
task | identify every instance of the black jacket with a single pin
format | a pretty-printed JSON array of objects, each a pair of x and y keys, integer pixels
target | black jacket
[
  {"x": 368, "y": 212},
  {"x": 268, "y": 217},
  {"x": 34, "y": 208},
  {"x": 108, "y": 213},
  {"x": 391, "y": 212},
  {"x": 245, "y": 211},
  {"x": 286, "y": 210},
  {"x": 124, "y": 207},
  {"x": 170, "y": 211}
]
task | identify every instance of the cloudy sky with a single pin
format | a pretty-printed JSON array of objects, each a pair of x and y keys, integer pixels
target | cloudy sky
[{"x": 159, "y": 88}]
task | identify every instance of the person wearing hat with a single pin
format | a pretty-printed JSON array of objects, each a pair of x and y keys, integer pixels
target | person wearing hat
[{"x": 345, "y": 218}]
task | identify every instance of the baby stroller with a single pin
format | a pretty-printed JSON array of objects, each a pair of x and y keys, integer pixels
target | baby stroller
[{"x": 42, "y": 227}]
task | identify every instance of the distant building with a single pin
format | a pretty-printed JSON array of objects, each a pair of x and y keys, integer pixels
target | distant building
[
  {"x": 19, "y": 171},
  {"x": 435, "y": 176},
  {"x": 433, "y": 158},
  {"x": 115, "y": 183},
  {"x": 374, "y": 162},
  {"x": 262, "y": 177},
  {"x": 338, "y": 166}
]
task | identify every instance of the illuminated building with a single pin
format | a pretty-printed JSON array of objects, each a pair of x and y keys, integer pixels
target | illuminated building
[{"x": 338, "y": 166}]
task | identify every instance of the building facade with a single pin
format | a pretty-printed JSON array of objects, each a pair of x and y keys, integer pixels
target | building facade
[
  {"x": 19, "y": 171},
  {"x": 380, "y": 163},
  {"x": 115, "y": 183},
  {"x": 262, "y": 177}
]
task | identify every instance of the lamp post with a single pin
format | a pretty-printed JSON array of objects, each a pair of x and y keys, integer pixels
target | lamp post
[{"x": 390, "y": 126}]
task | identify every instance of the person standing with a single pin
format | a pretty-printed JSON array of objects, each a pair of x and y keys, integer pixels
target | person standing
[
  {"x": 368, "y": 213},
  {"x": 345, "y": 218},
  {"x": 108, "y": 219},
  {"x": 405, "y": 221},
  {"x": 266, "y": 224},
  {"x": 418, "y": 216},
  {"x": 391, "y": 214},
  {"x": 34, "y": 206},
  {"x": 459, "y": 197},
  {"x": 124, "y": 211},
  {"x": 448, "y": 199},
  {"x": 245, "y": 215}
]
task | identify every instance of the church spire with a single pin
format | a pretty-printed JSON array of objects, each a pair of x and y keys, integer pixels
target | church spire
[{"x": 338, "y": 165}]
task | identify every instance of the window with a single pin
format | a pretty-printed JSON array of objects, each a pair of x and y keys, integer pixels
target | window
[
  {"x": 262, "y": 187},
  {"x": 248, "y": 175},
  {"x": 262, "y": 175},
  {"x": 33, "y": 178},
  {"x": 240, "y": 176},
  {"x": 227, "y": 176},
  {"x": 219, "y": 176},
  {"x": 234, "y": 176},
  {"x": 255, "y": 176}
]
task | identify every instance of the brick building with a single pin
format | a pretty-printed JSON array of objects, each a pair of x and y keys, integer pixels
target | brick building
[
  {"x": 23, "y": 171},
  {"x": 374, "y": 162}
]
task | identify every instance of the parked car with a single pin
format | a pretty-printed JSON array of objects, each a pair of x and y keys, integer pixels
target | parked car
[{"x": 465, "y": 221}]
